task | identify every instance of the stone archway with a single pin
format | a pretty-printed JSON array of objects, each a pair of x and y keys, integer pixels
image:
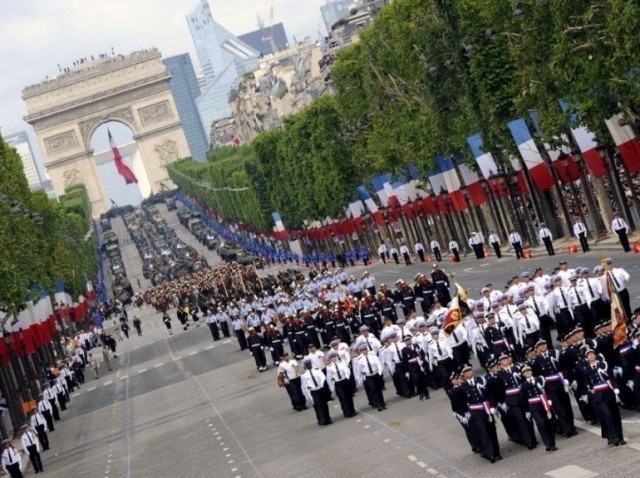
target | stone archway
[{"x": 132, "y": 89}]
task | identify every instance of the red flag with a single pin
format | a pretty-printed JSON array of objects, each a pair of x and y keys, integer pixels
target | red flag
[{"x": 122, "y": 168}]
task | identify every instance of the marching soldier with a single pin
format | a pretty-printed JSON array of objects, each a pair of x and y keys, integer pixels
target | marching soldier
[
  {"x": 494, "y": 240},
  {"x": 39, "y": 424},
  {"x": 412, "y": 357},
  {"x": 538, "y": 407},
  {"x": 435, "y": 248},
  {"x": 338, "y": 377},
  {"x": 256, "y": 346},
  {"x": 11, "y": 461},
  {"x": 580, "y": 231},
  {"x": 441, "y": 284},
  {"x": 313, "y": 387},
  {"x": 368, "y": 372},
  {"x": 288, "y": 377}
]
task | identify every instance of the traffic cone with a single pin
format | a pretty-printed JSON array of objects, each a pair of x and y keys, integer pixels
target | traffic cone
[
  {"x": 429, "y": 258},
  {"x": 636, "y": 247},
  {"x": 486, "y": 253},
  {"x": 527, "y": 254},
  {"x": 572, "y": 248}
]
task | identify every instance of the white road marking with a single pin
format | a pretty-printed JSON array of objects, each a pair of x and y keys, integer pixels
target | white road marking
[
  {"x": 107, "y": 383},
  {"x": 75, "y": 394},
  {"x": 209, "y": 347},
  {"x": 218, "y": 438},
  {"x": 224, "y": 449},
  {"x": 124, "y": 376},
  {"x": 176, "y": 358},
  {"x": 422, "y": 464},
  {"x": 412, "y": 458},
  {"x": 230, "y": 461},
  {"x": 571, "y": 471},
  {"x": 227, "y": 455},
  {"x": 387, "y": 440},
  {"x": 193, "y": 353},
  {"x": 432, "y": 471},
  {"x": 367, "y": 426},
  {"x": 210, "y": 424},
  {"x": 635, "y": 446},
  {"x": 91, "y": 389},
  {"x": 158, "y": 365},
  {"x": 228, "y": 341},
  {"x": 143, "y": 370}
]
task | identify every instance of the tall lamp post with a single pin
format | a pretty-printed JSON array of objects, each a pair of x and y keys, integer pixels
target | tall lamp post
[
  {"x": 564, "y": 162},
  {"x": 600, "y": 228}
]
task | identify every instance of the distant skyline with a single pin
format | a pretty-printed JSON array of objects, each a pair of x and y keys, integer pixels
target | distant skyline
[{"x": 39, "y": 35}]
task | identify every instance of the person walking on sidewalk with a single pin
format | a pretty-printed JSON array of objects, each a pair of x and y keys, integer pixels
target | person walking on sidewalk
[
  {"x": 93, "y": 363},
  {"x": 546, "y": 237},
  {"x": 580, "y": 230},
  {"x": 11, "y": 461},
  {"x": 117, "y": 331},
  {"x": 106, "y": 356},
  {"x": 137, "y": 323}
]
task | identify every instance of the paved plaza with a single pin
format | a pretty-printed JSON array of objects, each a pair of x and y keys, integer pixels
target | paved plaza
[{"x": 186, "y": 406}]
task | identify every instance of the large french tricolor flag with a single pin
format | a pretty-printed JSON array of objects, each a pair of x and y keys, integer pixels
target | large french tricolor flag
[
  {"x": 371, "y": 205},
  {"x": 452, "y": 182},
  {"x": 626, "y": 141},
  {"x": 487, "y": 164},
  {"x": 437, "y": 185},
  {"x": 123, "y": 169},
  {"x": 472, "y": 181},
  {"x": 538, "y": 170},
  {"x": 586, "y": 142},
  {"x": 561, "y": 158},
  {"x": 278, "y": 230},
  {"x": 382, "y": 185}
]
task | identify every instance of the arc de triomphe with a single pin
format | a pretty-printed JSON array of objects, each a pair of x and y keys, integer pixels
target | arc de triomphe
[{"x": 133, "y": 90}]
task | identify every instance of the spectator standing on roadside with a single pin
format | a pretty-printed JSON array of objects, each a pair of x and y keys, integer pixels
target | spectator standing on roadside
[
  {"x": 137, "y": 323},
  {"x": 106, "y": 356},
  {"x": 93, "y": 363}
]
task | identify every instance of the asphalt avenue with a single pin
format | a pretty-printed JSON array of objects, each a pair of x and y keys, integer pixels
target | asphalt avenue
[{"x": 186, "y": 406}]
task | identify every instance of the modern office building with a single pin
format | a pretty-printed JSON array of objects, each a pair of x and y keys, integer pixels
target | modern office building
[
  {"x": 185, "y": 90},
  {"x": 223, "y": 58},
  {"x": 20, "y": 141},
  {"x": 334, "y": 11},
  {"x": 267, "y": 40}
]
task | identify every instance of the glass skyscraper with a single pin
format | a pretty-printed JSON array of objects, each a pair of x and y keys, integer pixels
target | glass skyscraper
[
  {"x": 334, "y": 11},
  {"x": 185, "y": 90},
  {"x": 20, "y": 141},
  {"x": 223, "y": 58}
]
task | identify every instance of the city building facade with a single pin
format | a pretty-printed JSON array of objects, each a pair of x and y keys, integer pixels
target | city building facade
[{"x": 185, "y": 91}]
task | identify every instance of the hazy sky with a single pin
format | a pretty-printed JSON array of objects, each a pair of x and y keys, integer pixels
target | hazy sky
[{"x": 37, "y": 35}]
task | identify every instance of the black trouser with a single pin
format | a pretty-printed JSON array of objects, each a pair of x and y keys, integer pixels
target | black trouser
[
  {"x": 400, "y": 382},
  {"x": 242, "y": 339},
  {"x": 545, "y": 329},
  {"x": 395, "y": 257},
  {"x": 609, "y": 415},
  {"x": 258, "y": 355},
  {"x": 418, "y": 379},
  {"x": 515, "y": 415},
  {"x": 320, "y": 406},
  {"x": 278, "y": 350},
  {"x": 544, "y": 425},
  {"x": 34, "y": 456},
  {"x": 564, "y": 321},
  {"x": 54, "y": 407},
  {"x": 373, "y": 389},
  {"x": 583, "y": 241},
  {"x": 407, "y": 259},
  {"x": 294, "y": 389},
  {"x": 14, "y": 470},
  {"x": 517, "y": 247},
  {"x": 624, "y": 240},
  {"x": 549, "y": 245},
  {"x": 49, "y": 418},
  {"x": 69, "y": 384},
  {"x": 436, "y": 252},
  {"x": 344, "y": 392},
  {"x": 42, "y": 436},
  {"x": 383, "y": 256},
  {"x": 421, "y": 255},
  {"x": 215, "y": 332},
  {"x": 480, "y": 430},
  {"x": 225, "y": 329},
  {"x": 496, "y": 248},
  {"x": 62, "y": 401}
]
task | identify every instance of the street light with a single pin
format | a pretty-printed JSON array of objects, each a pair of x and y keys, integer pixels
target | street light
[{"x": 600, "y": 231}]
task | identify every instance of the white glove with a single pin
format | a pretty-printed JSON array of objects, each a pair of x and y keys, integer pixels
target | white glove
[
  {"x": 616, "y": 391},
  {"x": 528, "y": 416},
  {"x": 503, "y": 407},
  {"x": 617, "y": 371},
  {"x": 492, "y": 411},
  {"x": 630, "y": 384},
  {"x": 584, "y": 399},
  {"x": 270, "y": 349},
  {"x": 406, "y": 375},
  {"x": 574, "y": 385}
]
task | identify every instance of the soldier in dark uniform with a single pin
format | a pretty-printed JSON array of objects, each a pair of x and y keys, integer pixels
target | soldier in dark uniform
[
  {"x": 342, "y": 329},
  {"x": 546, "y": 365},
  {"x": 369, "y": 317},
  {"x": 511, "y": 378},
  {"x": 386, "y": 308},
  {"x": 320, "y": 322},
  {"x": 273, "y": 339},
  {"x": 310, "y": 326},
  {"x": 423, "y": 290},
  {"x": 412, "y": 356},
  {"x": 441, "y": 284},
  {"x": 459, "y": 409},
  {"x": 538, "y": 407},
  {"x": 604, "y": 393},
  {"x": 299, "y": 344},
  {"x": 256, "y": 345},
  {"x": 481, "y": 419}
]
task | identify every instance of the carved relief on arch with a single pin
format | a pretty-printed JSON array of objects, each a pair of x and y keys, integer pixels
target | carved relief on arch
[{"x": 88, "y": 127}]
